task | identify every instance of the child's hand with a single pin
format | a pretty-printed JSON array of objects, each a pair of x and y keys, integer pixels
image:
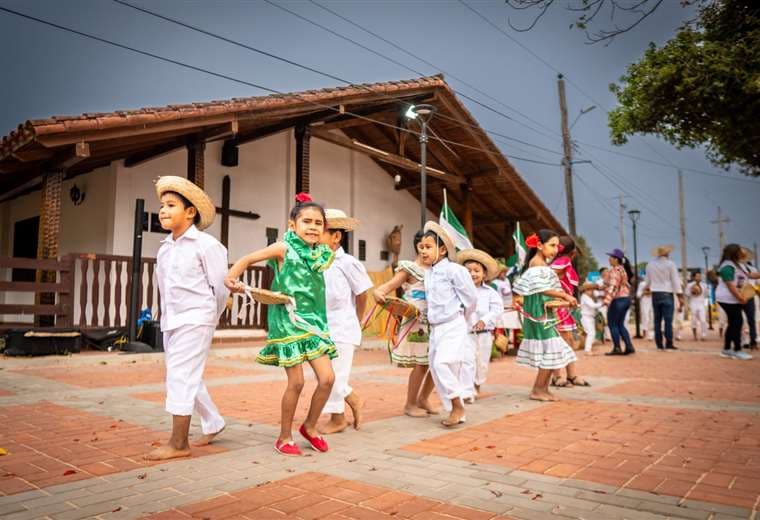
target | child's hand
[
  {"x": 234, "y": 285},
  {"x": 479, "y": 325},
  {"x": 571, "y": 300},
  {"x": 379, "y": 297}
]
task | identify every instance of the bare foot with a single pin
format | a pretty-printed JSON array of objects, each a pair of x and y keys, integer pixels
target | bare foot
[
  {"x": 455, "y": 418},
  {"x": 414, "y": 411},
  {"x": 543, "y": 396},
  {"x": 429, "y": 408},
  {"x": 206, "y": 438},
  {"x": 333, "y": 427},
  {"x": 356, "y": 404},
  {"x": 469, "y": 400},
  {"x": 166, "y": 453}
]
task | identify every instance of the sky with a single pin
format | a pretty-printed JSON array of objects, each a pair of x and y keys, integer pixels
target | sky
[{"x": 46, "y": 71}]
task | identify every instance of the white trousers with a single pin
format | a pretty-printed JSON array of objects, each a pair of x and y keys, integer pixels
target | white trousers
[
  {"x": 186, "y": 350},
  {"x": 647, "y": 316},
  {"x": 484, "y": 345},
  {"x": 469, "y": 368},
  {"x": 589, "y": 327},
  {"x": 699, "y": 319},
  {"x": 447, "y": 352},
  {"x": 342, "y": 367}
]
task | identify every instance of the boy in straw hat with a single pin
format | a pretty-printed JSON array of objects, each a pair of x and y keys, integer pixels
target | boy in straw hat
[
  {"x": 190, "y": 269},
  {"x": 481, "y": 323},
  {"x": 451, "y": 296},
  {"x": 346, "y": 285}
]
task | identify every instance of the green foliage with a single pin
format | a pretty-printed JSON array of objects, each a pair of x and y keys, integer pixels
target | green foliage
[
  {"x": 585, "y": 261},
  {"x": 702, "y": 88}
]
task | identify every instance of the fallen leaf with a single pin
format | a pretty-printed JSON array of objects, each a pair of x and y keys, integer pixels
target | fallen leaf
[
  {"x": 116, "y": 510},
  {"x": 373, "y": 468},
  {"x": 155, "y": 444},
  {"x": 599, "y": 492},
  {"x": 255, "y": 462},
  {"x": 68, "y": 472},
  {"x": 75, "y": 440},
  {"x": 474, "y": 448},
  {"x": 142, "y": 476},
  {"x": 3, "y": 452},
  {"x": 490, "y": 447},
  {"x": 496, "y": 493},
  {"x": 263, "y": 483},
  {"x": 103, "y": 362},
  {"x": 93, "y": 439},
  {"x": 526, "y": 492},
  {"x": 9, "y": 475},
  {"x": 499, "y": 456},
  {"x": 537, "y": 496},
  {"x": 351, "y": 460},
  {"x": 113, "y": 426},
  {"x": 162, "y": 470},
  {"x": 290, "y": 470}
]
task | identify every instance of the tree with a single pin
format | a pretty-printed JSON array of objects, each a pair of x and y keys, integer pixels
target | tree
[
  {"x": 702, "y": 88},
  {"x": 585, "y": 261}
]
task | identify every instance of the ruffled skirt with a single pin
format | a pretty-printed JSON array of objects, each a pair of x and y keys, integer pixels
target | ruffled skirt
[
  {"x": 549, "y": 354},
  {"x": 296, "y": 352}
]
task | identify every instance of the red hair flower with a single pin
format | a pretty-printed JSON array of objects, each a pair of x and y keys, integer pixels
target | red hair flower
[
  {"x": 303, "y": 197},
  {"x": 532, "y": 241}
]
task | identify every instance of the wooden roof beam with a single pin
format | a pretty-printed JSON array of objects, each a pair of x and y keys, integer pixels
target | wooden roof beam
[
  {"x": 148, "y": 154},
  {"x": 383, "y": 156}
]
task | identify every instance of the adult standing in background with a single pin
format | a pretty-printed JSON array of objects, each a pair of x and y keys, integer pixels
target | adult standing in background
[
  {"x": 732, "y": 284},
  {"x": 750, "y": 311},
  {"x": 662, "y": 279}
]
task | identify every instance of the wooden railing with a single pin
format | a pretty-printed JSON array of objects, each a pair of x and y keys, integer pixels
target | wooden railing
[
  {"x": 61, "y": 308},
  {"x": 93, "y": 292}
]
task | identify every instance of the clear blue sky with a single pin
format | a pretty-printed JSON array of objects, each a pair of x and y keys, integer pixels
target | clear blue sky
[{"x": 48, "y": 72}]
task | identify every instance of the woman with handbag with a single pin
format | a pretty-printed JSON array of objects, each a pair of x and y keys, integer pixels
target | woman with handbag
[{"x": 732, "y": 295}]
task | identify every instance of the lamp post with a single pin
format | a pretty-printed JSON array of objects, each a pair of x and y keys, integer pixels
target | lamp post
[
  {"x": 635, "y": 214},
  {"x": 423, "y": 114},
  {"x": 706, "y": 250}
]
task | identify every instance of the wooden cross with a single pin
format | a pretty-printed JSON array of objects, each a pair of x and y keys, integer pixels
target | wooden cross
[{"x": 226, "y": 212}]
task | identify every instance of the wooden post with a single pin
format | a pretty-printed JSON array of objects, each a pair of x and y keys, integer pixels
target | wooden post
[
  {"x": 196, "y": 148},
  {"x": 303, "y": 145},
  {"x": 467, "y": 198},
  {"x": 567, "y": 161},
  {"x": 225, "y": 214},
  {"x": 49, "y": 236}
]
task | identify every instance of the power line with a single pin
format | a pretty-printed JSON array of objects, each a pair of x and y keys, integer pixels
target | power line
[{"x": 250, "y": 84}]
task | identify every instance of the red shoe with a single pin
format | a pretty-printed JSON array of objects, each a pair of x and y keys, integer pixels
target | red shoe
[
  {"x": 287, "y": 448},
  {"x": 317, "y": 442}
]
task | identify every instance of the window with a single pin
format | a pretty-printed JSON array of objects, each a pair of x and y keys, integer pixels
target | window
[{"x": 362, "y": 250}]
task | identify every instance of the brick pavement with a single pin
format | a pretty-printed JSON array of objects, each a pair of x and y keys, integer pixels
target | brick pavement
[{"x": 680, "y": 428}]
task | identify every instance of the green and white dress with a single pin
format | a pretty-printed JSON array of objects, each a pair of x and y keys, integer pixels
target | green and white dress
[
  {"x": 291, "y": 340},
  {"x": 413, "y": 348},
  {"x": 542, "y": 346}
]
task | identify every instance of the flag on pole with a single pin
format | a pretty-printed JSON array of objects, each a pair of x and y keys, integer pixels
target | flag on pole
[
  {"x": 453, "y": 227},
  {"x": 516, "y": 261}
]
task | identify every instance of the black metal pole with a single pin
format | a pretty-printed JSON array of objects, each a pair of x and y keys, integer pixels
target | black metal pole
[
  {"x": 134, "y": 306},
  {"x": 423, "y": 174},
  {"x": 637, "y": 310},
  {"x": 709, "y": 303}
]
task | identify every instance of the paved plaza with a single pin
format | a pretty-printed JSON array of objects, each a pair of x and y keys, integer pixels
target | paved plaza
[{"x": 658, "y": 435}]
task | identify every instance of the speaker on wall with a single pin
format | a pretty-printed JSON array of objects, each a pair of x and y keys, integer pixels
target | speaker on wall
[{"x": 230, "y": 153}]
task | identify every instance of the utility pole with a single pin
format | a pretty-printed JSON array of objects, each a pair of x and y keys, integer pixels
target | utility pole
[
  {"x": 682, "y": 212},
  {"x": 567, "y": 161},
  {"x": 622, "y": 222},
  {"x": 721, "y": 235}
]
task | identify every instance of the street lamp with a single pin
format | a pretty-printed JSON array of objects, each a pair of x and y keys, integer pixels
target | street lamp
[
  {"x": 635, "y": 214},
  {"x": 423, "y": 114},
  {"x": 706, "y": 250}
]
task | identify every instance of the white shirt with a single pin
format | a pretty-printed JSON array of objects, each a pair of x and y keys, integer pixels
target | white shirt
[
  {"x": 696, "y": 301},
  {"x": 589, "y": 306},
  {"x": 344, "y": 280},
  {"x": 190, "y": 273},
  {"x": 504, "y": 288},
  {"x": 488, "y": 307},
  {"x": 722, "y": 294},
  {"x": 449, "y": 291},
  {"x": 662, "y": 276}
]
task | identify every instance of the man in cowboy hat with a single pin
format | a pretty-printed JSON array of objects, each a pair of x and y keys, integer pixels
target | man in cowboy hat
[
  {"x": 663, "y": 280},
  {"x": 346, "y": 286}
]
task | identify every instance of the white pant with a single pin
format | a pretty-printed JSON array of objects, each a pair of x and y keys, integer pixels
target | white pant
[
  {"x": 467, "y": 373},
  {"x": 448, "y": 346},
  {"x": 589, "y": 327},
  {"x": 342, "y": 367},
  {"x": 484, "y": 345},
  {"x": 699, "y": 319},
  {"x": 186, "y": 350},
  {"x": 647, "y": 316}
]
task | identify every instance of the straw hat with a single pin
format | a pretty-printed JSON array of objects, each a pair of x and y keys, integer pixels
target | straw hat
[
  {"x": 662, "y": 250},
  {"x": 445, "y": 238},
  {"x": 191, "y": 192},
  {"x": 483, "y": 258},
  {"x": 337, "y": 219},
  {"x": 588, "y": 285}
]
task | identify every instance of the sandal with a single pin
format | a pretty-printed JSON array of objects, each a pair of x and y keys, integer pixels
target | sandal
[
  {"x": 561, "y": 382},
  {"x": 574, "y": 381}
]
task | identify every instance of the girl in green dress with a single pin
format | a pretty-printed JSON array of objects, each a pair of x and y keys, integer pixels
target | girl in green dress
[
  {"x": 298, "y": 263},
  {"x": 542, "y": 346}
]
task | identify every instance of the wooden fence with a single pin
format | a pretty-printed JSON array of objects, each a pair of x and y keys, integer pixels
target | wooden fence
[{"x": 93, "y": 291}]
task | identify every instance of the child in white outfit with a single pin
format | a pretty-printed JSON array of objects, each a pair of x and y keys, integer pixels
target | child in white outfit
[{"x": 589, "y": 308}]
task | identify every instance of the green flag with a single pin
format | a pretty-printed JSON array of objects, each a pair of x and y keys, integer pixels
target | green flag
[{"x": 453, "y": 227}]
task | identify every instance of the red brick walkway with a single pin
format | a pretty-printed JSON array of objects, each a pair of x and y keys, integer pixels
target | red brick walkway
[
  {"x": 711, "y": 456},
  {"x": 748, "y": 392},
  {"x": 313, "y": 496},
  {"x": 49, "y": 444}
]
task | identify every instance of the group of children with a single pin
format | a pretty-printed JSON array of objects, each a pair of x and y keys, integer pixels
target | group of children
[{"x": 448, "y": 347}]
